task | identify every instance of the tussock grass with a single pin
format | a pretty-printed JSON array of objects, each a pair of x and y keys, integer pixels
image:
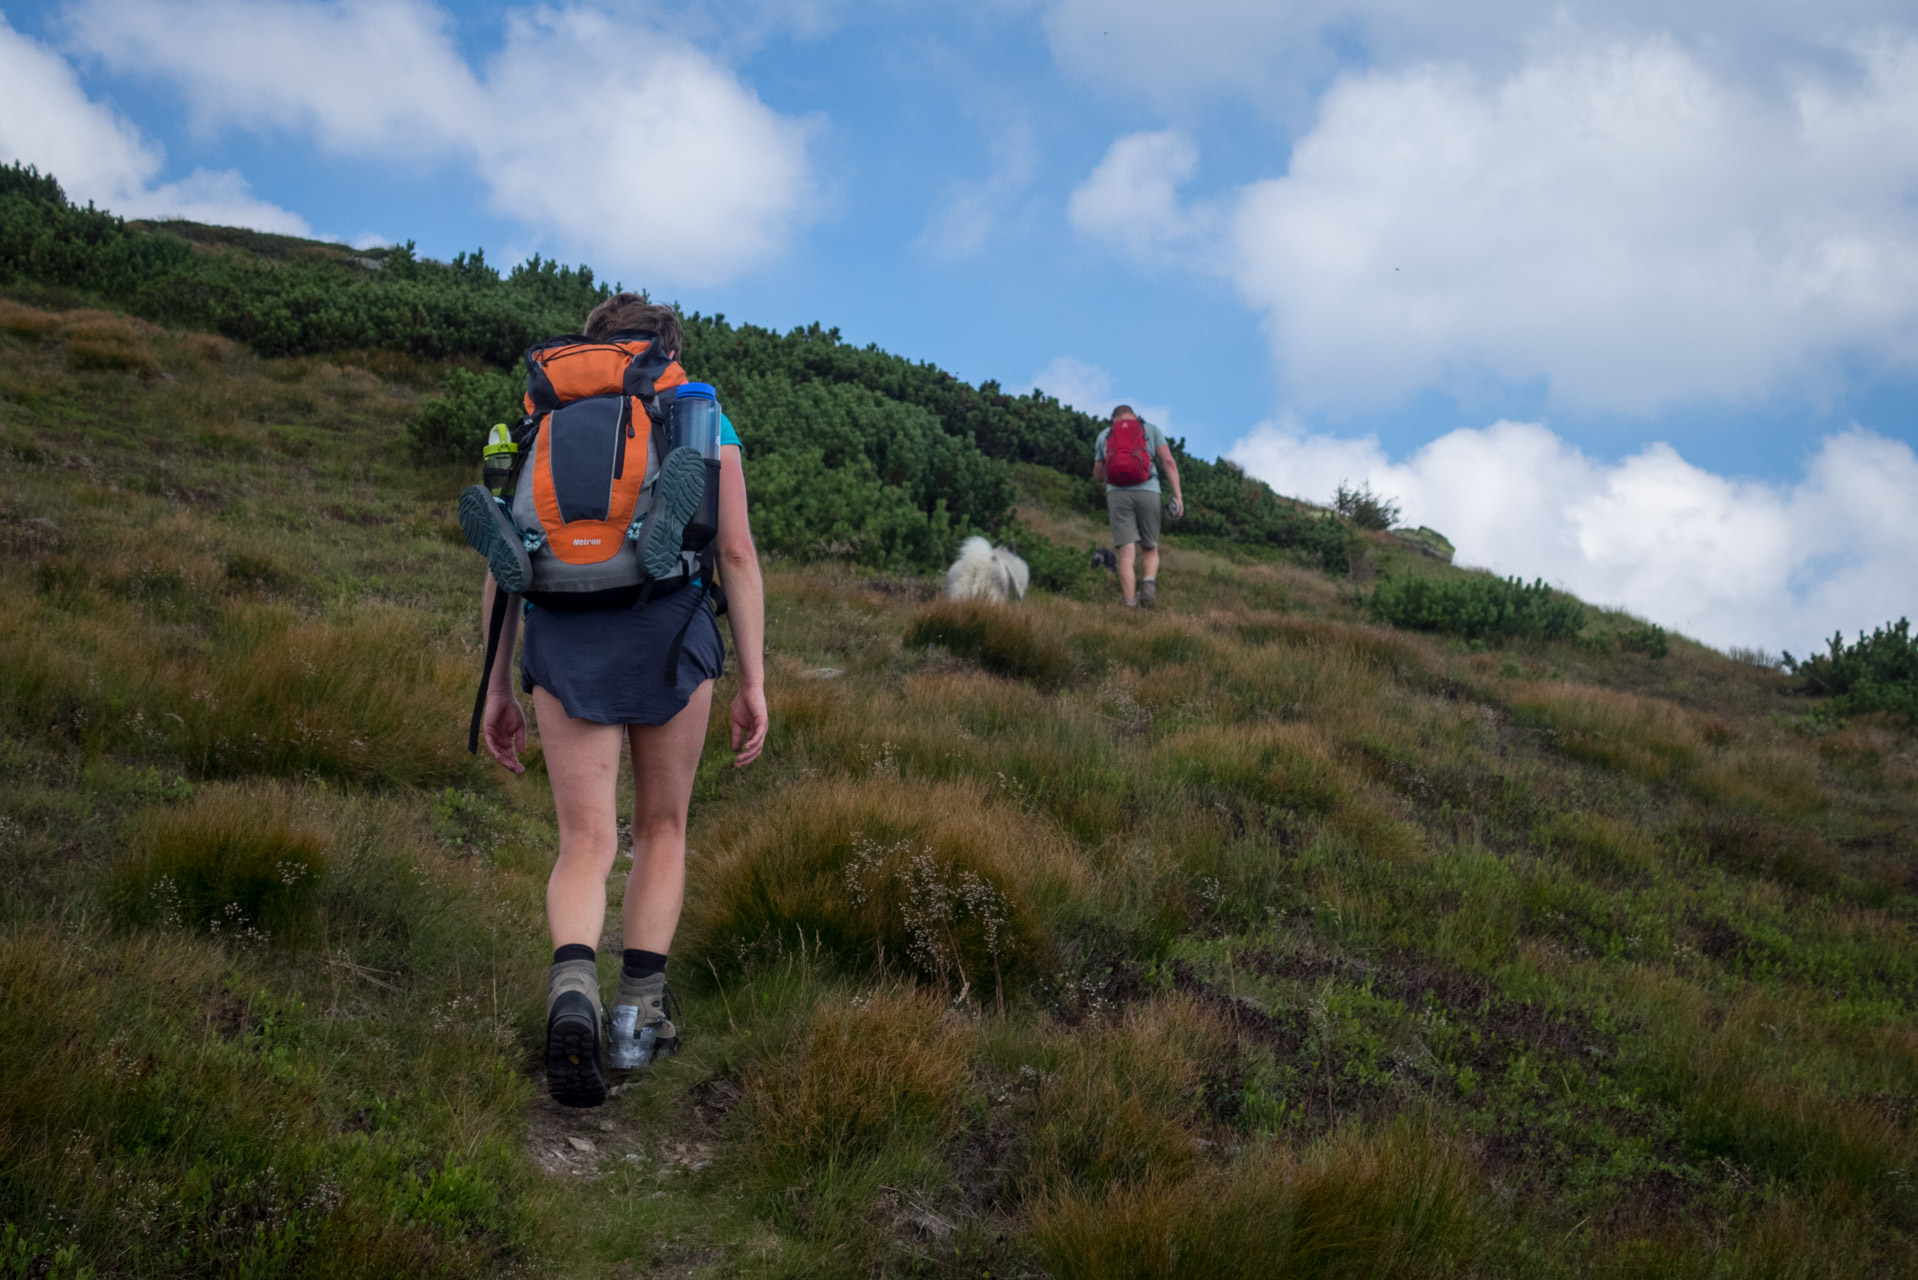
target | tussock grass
[
  {"x": 1004, "y": 640},
  {"x": 1405, "y": 1203},
  {"x": 232, "y": 860},
  {"x": 1121, "y": 1103},
  {"x": 858, "y": 1078},
  {"x": 369, "y": 697},
  {"x": 179, "y": 1128},
  {"x": 931, "y": 880},
  {"x": 1281, "y": 775},
  {"x": 1642, "y": 738}
]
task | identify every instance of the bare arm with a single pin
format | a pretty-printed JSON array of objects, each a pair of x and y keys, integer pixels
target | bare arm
[
  {"x": 745, "y": 607},
  {"x": 1171, "y": 471},
  {"x": 503, "y": 728}
]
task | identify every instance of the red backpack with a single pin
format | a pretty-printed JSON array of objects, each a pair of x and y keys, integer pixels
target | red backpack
[{"x": 1128, "y": 453}]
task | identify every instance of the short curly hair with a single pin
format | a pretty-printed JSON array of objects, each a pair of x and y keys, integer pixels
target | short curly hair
[{"x": 634, "y": 313}]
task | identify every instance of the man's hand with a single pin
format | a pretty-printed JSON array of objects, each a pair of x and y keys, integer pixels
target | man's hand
[
  {"x": 503, "y": 730},
  {"x": 1177, "y": 508}
]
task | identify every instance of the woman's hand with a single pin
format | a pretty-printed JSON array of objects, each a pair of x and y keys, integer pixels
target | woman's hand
[
  {"x": 749, "y": 725},
  {"x": 504, "y": 729}
]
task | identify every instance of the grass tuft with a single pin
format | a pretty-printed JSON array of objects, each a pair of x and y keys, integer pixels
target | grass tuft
[
  {"x": 1006, "y": 641},
  {"x": 858, "y": 1077},
  {"x": 1400, "y": 1204},
  {"x": 234, "y": 861},
  {"x": 931, "y": 881}
]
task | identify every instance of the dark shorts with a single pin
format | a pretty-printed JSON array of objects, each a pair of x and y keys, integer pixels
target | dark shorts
[{"x": 606, "y": 665}]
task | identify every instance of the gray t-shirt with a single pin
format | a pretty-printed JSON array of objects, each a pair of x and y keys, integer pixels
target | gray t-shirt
[{"x": 1154, "y": 440}]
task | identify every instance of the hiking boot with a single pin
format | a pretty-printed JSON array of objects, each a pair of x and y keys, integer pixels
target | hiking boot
[
  {"x": 681, "y": 487},
  {"x": 491, "y": 532},
  {"x": 1131, "y": 603},
  {"x": 1148, "y": 592},
  {"x": 642, "y": 1027},
  {"x": 575, "y": 1067}
]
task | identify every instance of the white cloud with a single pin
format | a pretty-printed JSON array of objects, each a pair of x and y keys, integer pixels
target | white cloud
[
  {"x": 47, "y": 120},
  {"x": 615, "y": 135},
  {"x": 1131, "y": 199},
  {"x": 1728, "y": 561},
  {"x": 1616, "y": 224}
]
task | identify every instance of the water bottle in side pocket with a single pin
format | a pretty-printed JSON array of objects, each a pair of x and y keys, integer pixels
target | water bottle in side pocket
[{"x": 695, "y": 425}]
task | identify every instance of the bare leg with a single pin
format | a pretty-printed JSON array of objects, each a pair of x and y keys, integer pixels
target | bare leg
[
  {"x": 1151, "y": 564},
  {"x": 665, "y": 760},
  {"x": 582, "y": 761},
  {"x": 1126, "y": 556}
]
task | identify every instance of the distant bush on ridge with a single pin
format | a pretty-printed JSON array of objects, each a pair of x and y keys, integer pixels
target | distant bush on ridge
[
  {"x": 1478, "y": 608},
  {"x": 1877, "y": 673}
]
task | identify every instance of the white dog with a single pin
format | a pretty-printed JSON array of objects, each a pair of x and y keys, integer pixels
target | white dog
[{"x": 986, "y": 572}]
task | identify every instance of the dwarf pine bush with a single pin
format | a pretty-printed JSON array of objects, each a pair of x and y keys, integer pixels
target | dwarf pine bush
[
  {"x": 1478, "y": 608},
  {"x": 1877, "y": 673}
]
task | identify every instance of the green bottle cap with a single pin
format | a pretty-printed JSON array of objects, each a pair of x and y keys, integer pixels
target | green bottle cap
[{"x": 500, "y": 440}]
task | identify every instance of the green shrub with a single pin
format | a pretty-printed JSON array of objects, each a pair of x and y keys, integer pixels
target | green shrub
[
  {"x": 225, "y": 862},
  {"x": 1058, "y": 568},
  {"x": 1478, "y": 607},
  {"x": 1647, "y": 638},
  {"x": 1364, "y": 508},
  {"x": 1878, "y": 673},
  {"x": 452, "y": 426},
  {"x": 1003, "y": 640}
]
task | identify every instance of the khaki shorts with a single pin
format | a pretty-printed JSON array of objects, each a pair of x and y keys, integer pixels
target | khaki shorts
[{"x": 1134, "y": 514}]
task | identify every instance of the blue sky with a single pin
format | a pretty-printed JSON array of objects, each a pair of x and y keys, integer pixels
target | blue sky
[{"x": 1623, "y": 295}]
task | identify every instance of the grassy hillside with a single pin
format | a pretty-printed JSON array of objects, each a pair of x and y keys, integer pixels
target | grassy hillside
[{"x": 1243, "y": 938}]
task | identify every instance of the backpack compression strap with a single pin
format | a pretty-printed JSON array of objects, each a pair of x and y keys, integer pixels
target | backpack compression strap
[
  {"x": 494, "y": 627},
  {"x": 670, "y": 675}
]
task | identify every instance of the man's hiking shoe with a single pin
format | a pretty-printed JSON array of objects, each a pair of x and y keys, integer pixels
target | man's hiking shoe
[
  {"x": 642, "y": 1027},
  {"x": 1148, "y": 592},
  {"x": 682, "y": 487},
  {"x": 575, "y": 1068},
  {"x": 490, "y": 531}
]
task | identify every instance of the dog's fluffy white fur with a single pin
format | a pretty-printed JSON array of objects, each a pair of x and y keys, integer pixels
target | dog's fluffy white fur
[{"x": 986, "y": 572}]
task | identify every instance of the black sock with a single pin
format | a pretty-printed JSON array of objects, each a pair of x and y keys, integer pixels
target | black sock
[
  {"x": 572, "y": 951},
  {"x": 642, "y": 964}
]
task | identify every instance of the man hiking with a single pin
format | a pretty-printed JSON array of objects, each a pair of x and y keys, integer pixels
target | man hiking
[
  {"x": 1127, "y": 458},
  {"x": 620, "y": 667}
]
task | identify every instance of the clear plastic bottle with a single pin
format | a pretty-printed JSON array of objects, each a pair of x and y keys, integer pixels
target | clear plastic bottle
[
  {"x": 500, "y": 458},
  {"x": 695, "y": 420},
  {"x": 695, "y": 425}
]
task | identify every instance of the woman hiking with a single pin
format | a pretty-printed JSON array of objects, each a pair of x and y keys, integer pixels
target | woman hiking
[{"x": 639, "y": 675}]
